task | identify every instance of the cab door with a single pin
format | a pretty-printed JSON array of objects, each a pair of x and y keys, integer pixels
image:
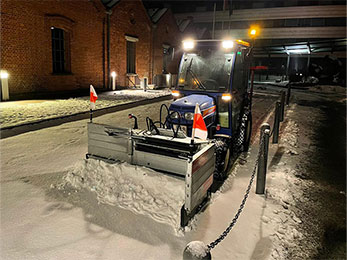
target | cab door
[{"x": 238, "y": 87}]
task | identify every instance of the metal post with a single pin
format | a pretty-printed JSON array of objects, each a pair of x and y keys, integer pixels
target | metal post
[
  {"x": 214, "y": 20},
  {"x": 288, "y": 94},
  {"x": 91, "y": 115},
  {"x": 262, "y": 164},
  {"x": 145, "y": 84},
  {"x": 4, "y": 86},
  {"x": 251, "y": 90},
  {"x": 287, "y": 68},
  {"x": 283, "y": 97},
  {"x": 276, "y": 128}
]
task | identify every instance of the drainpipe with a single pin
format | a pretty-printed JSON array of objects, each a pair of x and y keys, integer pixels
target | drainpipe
[
  {"x": 154, "y": 26},
  {"x": 108, "y": 13},
  {"x": 103, "y": 55}
]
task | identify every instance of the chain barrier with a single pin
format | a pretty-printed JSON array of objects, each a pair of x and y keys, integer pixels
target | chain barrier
[{"x": 233, "y": 222}]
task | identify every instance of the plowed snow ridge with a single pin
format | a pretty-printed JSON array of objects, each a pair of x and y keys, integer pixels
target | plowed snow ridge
[{"x": 136, "y": 188}]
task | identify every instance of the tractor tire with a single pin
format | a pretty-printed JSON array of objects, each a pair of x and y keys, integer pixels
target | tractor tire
[{"x": 223, "y": 159}]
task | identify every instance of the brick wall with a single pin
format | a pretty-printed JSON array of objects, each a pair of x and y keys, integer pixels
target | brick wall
[
  {"x": 26, "y": 51},
  {"x": 166, "y": 32},
  {"x": 26, "y": 44},
  {"x": 130, "y": 18}
]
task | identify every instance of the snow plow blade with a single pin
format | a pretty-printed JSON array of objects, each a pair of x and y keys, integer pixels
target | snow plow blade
[{"x": 193, "y": 161}]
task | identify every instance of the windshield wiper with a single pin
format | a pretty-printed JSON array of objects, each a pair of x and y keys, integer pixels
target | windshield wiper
[{"x": 199, "y": 83}]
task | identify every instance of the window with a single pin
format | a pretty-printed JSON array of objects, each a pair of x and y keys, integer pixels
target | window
[
  {"x": 60, "y": 50},
  {"x": 131, "y": 57},
  {"x": 291, "y": 22},
  {"x": 239, "y": 85}
]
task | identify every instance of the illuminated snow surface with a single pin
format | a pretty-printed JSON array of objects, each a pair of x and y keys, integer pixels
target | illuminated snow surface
[
  {"x": 56, "y": 205},
  {"x": 19, "y": 112},
  {"x": 135, "y": 188}
]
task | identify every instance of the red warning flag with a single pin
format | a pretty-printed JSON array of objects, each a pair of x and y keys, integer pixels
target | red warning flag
[
  {"x": 93, "y": 97},
  {"x": 199, "y": 126}
]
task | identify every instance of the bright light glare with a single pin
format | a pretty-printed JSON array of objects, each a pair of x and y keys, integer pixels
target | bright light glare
[
  {"x": 226, "y": 97},
  {"x": 188, "y": 44},
  {"x": 254, "y": 31},
  {"x": 227, "y": 44},
  {"x": 113, "y": 74},
  {"x": 175, "y": 93},
  {"x": 299, "y": 51},
  {"x": 3, "y": 74}
]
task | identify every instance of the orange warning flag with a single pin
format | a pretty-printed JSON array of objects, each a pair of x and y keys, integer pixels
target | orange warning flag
[
  {"x": 93, "y": 97},
  {"x": 199, "y": 126}
]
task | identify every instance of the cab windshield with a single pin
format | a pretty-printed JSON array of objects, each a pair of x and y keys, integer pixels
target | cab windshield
[{"x": 206, "y": 70}]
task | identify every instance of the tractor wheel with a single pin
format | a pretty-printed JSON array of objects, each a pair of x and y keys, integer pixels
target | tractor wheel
[
  {"x": 247, "y": 133},
  {"x": 223, "y": 158}
]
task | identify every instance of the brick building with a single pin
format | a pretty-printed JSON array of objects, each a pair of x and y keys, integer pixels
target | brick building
[
  {"x": 166, "y": 42},
  {"x": 67, "y": 45},
  {"x": 130, "y": 46},
  {"x": 47, "y": 46}
]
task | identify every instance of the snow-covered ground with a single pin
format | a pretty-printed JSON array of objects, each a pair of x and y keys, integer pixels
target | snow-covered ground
[
  {"x": 56, "y": 205},
  {"x": 19, "y": 112},
  {"x": 130, "y": 187}
]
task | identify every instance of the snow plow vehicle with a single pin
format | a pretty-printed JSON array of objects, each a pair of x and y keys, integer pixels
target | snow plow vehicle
[{"x": 214, "y": 75}]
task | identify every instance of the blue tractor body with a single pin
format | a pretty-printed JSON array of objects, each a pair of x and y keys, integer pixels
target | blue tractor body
[{"x": 217, "y": 79}]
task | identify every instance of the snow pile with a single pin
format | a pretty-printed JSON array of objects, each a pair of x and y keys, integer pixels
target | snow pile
[
  {"x": 197, "y": 249},
  {"x": 19, "y": 112},
  {"x": 136, "y": 188},
  {"x": 290, "y": 138},
  {"x": 328, "y": 89},
  {"x": 284, "y": 188}
]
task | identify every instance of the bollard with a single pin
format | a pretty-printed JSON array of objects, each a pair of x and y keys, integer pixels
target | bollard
[
  {"x": 196, "y": 250},
  {"x": 283, "y": 97},
  {"x": 288, "y": 94},
  {"x": 276, "y": 128},
  {"x": 262, "y": 164}
]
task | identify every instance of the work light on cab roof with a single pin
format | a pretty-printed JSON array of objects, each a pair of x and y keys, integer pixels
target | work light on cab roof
[
  {"x": 188, "y": 44},
  {"x": 227, "y": 44}
]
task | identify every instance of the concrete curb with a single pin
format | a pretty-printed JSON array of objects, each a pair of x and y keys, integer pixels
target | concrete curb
[{"x": 49, "y": 122}]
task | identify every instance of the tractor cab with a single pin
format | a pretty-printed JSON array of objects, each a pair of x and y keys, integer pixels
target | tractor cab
[{"x": 213, "y": 74}]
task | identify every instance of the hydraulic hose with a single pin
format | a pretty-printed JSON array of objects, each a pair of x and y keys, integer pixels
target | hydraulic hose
[{"x": 160, "y": 117}]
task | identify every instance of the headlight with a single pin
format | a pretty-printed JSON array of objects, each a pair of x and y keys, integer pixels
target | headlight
[
  {"x": 226, "y": 97},
  {"x": 175, "y": 93},
  {"x": 189, "y": 116},
  {"x": 173, "y": 115}
]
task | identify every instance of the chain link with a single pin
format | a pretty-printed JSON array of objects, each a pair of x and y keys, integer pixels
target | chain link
[{"x": 231, "y": 225}]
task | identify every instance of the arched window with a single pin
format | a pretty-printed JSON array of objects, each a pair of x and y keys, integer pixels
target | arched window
[{"x": 60, "y": 51}]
